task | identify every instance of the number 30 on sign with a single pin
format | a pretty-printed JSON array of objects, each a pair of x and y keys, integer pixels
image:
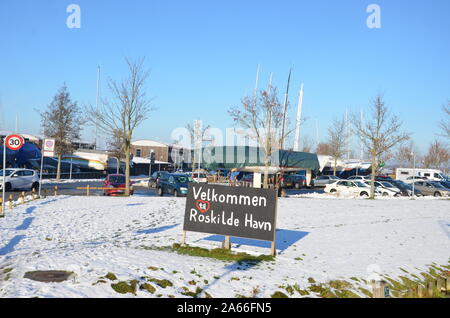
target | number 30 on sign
[{"x": 14, "y": 142}]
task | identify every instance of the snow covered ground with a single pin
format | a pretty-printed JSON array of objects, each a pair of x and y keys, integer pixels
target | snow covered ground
[{"x": 319, "y": 236}]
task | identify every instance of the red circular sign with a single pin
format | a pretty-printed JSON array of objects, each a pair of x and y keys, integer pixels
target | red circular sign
[{"x": 14, "y": 142}]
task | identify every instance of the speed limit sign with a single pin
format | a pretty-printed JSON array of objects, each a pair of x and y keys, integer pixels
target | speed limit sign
[{"x": 14, "y": 142}]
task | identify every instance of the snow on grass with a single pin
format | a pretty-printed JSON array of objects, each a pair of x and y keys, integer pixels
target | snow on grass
[{"x": 318, "y": 237}]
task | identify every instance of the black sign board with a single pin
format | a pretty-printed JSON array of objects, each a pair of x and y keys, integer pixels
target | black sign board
[{"x": 232, "y": 211}]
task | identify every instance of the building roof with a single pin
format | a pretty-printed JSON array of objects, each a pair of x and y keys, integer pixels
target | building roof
[{"x": 148, "y": 143}]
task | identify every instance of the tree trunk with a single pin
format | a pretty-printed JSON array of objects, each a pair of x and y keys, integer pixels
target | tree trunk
[
  {"x": 127, "y": 168},
  {"x": 334, "y": 168},
  {"x": 372, "y": 177},
  {"x": 58, "y": 170},
  {"x": 266, "y": 176}
]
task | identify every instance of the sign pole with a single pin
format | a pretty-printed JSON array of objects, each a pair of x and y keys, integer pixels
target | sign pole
[
  {"x": 42, "y": 164},
  {"x": 4, "y": 177}
]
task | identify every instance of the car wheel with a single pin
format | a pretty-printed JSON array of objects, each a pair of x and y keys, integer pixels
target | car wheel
[
  {"x": 160, "y": 192},
  {"x": 385, "y": 194},
  {"x": 333, "y": 190},
  {"x": 8, "y": 186},
  {"x": 437, "y": 194},
  {"x": 364, "y": 194}
]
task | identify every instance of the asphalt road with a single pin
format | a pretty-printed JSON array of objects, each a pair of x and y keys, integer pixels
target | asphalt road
[{"x": 65, "y": 188}]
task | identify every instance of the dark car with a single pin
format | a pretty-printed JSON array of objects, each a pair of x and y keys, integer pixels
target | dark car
[
  {"x": 383, "y": 178},
  {"x": 405, "y": 189},
  {"x": 114, "y": 184},
  {"x": 445, "y": 184},
  {"x": 174, "y": 183},
  {"x": 247, "y": 178},
  {"x": 298, "y": 181},
  {"x": 154, "y": 178}
]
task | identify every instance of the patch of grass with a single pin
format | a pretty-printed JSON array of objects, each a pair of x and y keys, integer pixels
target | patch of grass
[
  {"x": 298, "y": 259},
  {"x": 147, "y": 287},
  {"x": 111, "y": 276},
  {"x": 153, "y": 268},
  {"x": 163, "y": 283},
  {"x": 125, "y": 287},
  {"x": 219, "y": 253},
  {"x": 279, "y": 294},
  {"x": 339, "y": 284},
  {"x": 235, "y": 278},
  {"x": 100, "y": 281},
  {"x": 194, "y": 294},
  {"x": 7, "y": 270},
  {"x": 192, "y": 282}
]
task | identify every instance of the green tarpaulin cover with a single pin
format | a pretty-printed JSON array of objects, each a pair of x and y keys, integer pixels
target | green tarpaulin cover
[{"x": 229, "y": 157}]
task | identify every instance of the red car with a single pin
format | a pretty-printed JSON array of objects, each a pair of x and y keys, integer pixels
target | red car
[{"x": 115, "y": 184}]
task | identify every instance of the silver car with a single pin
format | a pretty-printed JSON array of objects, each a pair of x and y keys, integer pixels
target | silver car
[
  {"x": 432, "y": 188},
  {"x": 19, "y": 179},
  {"x": 322, "y": 181}
]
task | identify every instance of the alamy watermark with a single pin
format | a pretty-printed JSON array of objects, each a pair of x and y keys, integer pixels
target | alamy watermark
[
  {"x": 374, "y": 19},
  {"x": 73, "y": 21}
]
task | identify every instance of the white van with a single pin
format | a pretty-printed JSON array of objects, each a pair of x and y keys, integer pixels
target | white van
[{"x": 430, "y": 174}]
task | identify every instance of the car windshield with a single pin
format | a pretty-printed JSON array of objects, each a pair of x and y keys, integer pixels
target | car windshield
[
  {"x": 182, "y": 179},
  {"x": 334, "y": 177},
  {"x": 360, "y": 184},
  {"x": 201, "y": 175},
  {"x": 117, "y": 179},
  {"x": 7, "y": 172},
  {"x": 387, "y": 184}
]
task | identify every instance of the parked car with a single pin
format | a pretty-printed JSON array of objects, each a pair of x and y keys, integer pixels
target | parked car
[
  {"x": 406, "y": 189},
  {"x": 446, "y": 184},
  {"x": 322, "y": 181},
  {"x": 298, "y": 181},
  {"x": 115, "y": 184},
  {"x": 19, "y": 179},
  {"x": 174, "y": 183},
  {"x": 199, "y": 177},
  {"x": 385, "y": 188},
  {"x": 432, "y": 188},
  {"x": 411, "y": 179},
  {"x": 154, "y": 179},
  {"x": 349, "y": 187},
  {"x": 361, "y": 178}
]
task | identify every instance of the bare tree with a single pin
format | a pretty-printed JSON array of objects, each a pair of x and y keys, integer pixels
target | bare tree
[
  {"x": 379, "y": 134},
  {"x": 324, "y": 149},
  {"x": 116, "y": 144},
  {"x": 128, "y": 109},
  {"x": 198, "y": 135},
  {"x": 306, "y": 144},
  {"x": 337, "y": 140},
  {"x": 405, "y": 154},
  {"x": 263, "y": 115},
  {"x": 437, "y": 156},
  {"x": 62, "y": 120},
  {"x": 445, "y": 122}
]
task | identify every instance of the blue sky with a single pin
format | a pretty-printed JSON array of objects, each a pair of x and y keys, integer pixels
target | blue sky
[{"x": 203, "y": 57}]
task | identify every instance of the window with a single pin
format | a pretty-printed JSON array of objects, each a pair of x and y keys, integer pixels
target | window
[
  {"x": 28, "y": 173},
  {"x": 404, "y": 172},
  {"x": 426, "y": 174},
  {"x": 138, "y": 152}
]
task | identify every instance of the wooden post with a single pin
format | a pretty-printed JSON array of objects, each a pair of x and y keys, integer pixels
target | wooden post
[
  {"x": 10, "y": 201},
  {"x": 226, "y": 243},
  {"x": 183, "y": 238},
  {"x": 379, "y": 289},
  {"x": 430, "y": 288},
  {"x": 273, "y": 250},
  {"x": 420, "y": 291},
  {"x": 439, "y": 285},
  {"x": 33, "y": 194},
  {"x": 56, "y": 190},
  {"x": 87, "y": 190},
  {"x": 1, "y": 208},
  {"x": 45, "y": 193},
  {"x": 22, "y": 197}
]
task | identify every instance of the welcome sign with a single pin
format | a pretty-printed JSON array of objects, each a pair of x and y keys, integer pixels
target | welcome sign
[{"x": 232, "y": 211}]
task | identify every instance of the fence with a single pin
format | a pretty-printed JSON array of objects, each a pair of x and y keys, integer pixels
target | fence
[
  {"x": 23, "y": 198},
  {"x": 439, "y": 287}
]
